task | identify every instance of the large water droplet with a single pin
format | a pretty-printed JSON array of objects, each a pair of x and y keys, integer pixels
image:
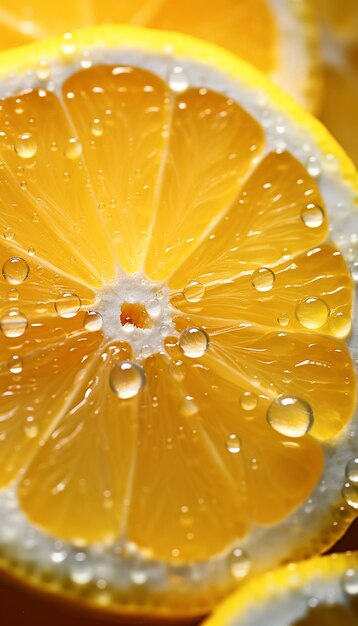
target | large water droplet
[
  {"x": 352, "y": 471},
  {"x": 15, "y": 270},
  {"x": 26, "y": 146},
  {"x": 248, "y": 401},
  {"x": 290, "y": 416},
  {"x": 92, "y": 321},
  {"x": 350, "y": 494},
  {"x": 194, "y": 291},
  {"x": 194, "y": 342},
  {"x": 340, "y": 324},
  {"x": 239, "y": 563},
  {"x": 73, "y": 149},
  {"x": 312, "y": 313},
  {"x": 233, "y": 444},
  {"x": 127, "y": 379},
  {"x": 15, "y": 364},
  {"x": 263, "y": 279},
  {"x": 14, "y": 323},
  {"x": 68, "y": 305},
  {"x": 312, "y": 216}
]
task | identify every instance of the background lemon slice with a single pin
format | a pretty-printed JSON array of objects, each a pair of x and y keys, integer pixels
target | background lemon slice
[
  {"x": 320, "y": 591},
  {"x": 175, "y": 302},
  {"x": 275, "y": 35}
]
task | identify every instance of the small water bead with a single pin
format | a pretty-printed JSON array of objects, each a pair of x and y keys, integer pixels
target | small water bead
[
  {"x": 176, "y": 370},
  {"x": 283, "y": 319},
  {"x": 26, "y": 146},
  {"x": 290, "y": 416},
  {"x": 9, "y": 234},
  {"x": 43, "y": 71},
  {"x": 314, "y": 167},
  {"x": 13, "y": 324},
  {"x": 239, "y": 563},
  {"x": 68, "y": 46},
  {"x": 194, "y": 291},
  {"x": 340, "y": 324},
  {"x": 350, "y": 582},
  {"x": 15, "y": 364},
  {"x": 68, "y": 305},
  {"x": 312, "y": 313},
  {"x": 263, "y": 279},
  {"x": 97, "y": 128},
  {"x": 312, "y": 216},
  {"x": 13, "y": 294},
  {"x": 233, "y": 444},
  {"x": 194, "y": 342},
  {"x": 352, "y": 471},
  {"x": 15, "y": 270},
  {"x": 127, "y": 379},
  {"x": 248, "y": 401},
  {"x": 354, "y": 271},
  {"x": 350, "y": 494},
  {"x": 31, "y": 427},
  {"x": 73, "y": 149},
  {"x": 178, "y": 80},
  {"x": 92, "y": 321},
  {"x": 188, "y": 407}
]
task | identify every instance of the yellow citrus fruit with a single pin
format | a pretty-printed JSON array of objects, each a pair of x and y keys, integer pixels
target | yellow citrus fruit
[
  {"x": 319, "y": 592},
  {"x": 274, "y": 35},
  {"x": 340, "y": 102},
  {"x": 177, "y": 380}
]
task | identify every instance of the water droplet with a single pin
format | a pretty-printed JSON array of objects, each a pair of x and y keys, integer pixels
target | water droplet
[
  {"x": 350, "y": 582},
  {"x": 92, "y": 321},
  {"x": 59, "y": 554},
  {"x": 68, "y": 47},
  {"x": 263, "y": 279},
  {"x": 43, "y": 71},
  {"x": 15, "y": 270},
  {"x": 352, "y": 471},
  {"x": 68, "y": 305},
  {"x": 354, "y": 271},
  {"x": 13, "y": 323},
  {"x": 13, "y": 294},
  {"x": 194, "y": 342},
  {"x": 31, "y": 427},
  {"x": 138, "y": 575},
  {"x": 81, "y": 569},
  {"x": 9, "y": 234},
  {"x": 31, "y": 251},
  {"x": 97, "y": 128},
  {"x": 312, "y": 313},
  {"x": 233, "y": 444},
  {"x": 73, "y": 149},
  {"x": 239, "y": 563},
  {"x": 127, "y": 379},
  {"x": 312, "y": 216},
  {"x": 188, "y": 407},
  {"x": 350, "y": 494},
  {"x": 176, "y": 371},
  {"x": 15, "y": 364},
  {"x": 283, "y": 319},
  {"x": 290, "y": 416},
  {"x": 340, "y": 324},
  {"x": 178, "y": 80},
  {"x": 248, "y": 401},
  {"x": 26, "y": 146},
  {"x": 194, "y": 291},
  {"x": 313, "y": 167}
]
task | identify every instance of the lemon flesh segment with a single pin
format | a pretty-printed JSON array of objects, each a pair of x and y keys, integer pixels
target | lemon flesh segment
[
  {"x": 152, "y": 213},
  {"x": 320, "y": 591}
]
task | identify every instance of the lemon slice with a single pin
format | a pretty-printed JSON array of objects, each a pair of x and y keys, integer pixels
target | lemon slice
[
  {"x": 317, "y": 592},
  {"x": 177, "y": 378},
  {"x": 274, "y": 35}
]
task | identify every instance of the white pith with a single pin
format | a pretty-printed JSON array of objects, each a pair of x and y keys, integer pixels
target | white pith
[
  {"x": 109, "y": 570},
  {"x": 136, "y": 289}
]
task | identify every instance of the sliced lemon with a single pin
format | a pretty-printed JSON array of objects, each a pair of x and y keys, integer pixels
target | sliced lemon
[
  {"x": 177, "y": 378},
  {"x": 319, "y": 592},
  {"x": 274, "y": 35}
]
